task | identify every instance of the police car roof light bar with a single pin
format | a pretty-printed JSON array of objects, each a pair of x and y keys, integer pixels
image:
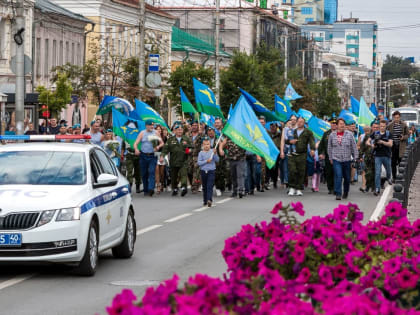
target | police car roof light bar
[{"x": 42, "y": 137}]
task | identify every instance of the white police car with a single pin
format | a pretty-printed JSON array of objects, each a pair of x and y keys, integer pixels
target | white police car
[{"x": 63, "y": 202}]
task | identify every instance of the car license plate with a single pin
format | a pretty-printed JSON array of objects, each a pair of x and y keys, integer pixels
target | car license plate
[{"x": 10, "y": 239}]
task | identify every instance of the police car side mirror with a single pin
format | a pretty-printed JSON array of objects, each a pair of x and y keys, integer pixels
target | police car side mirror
[{"x": 105, "y": 180}]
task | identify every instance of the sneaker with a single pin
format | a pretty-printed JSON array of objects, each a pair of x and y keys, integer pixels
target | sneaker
[
  {"x": 151, "y": 193},
  {"x": 241, "y": 195},
  {"x": 175, "y": 192},
  {"x": 337, "y": 197},
  {"x": 330, "y": 192},
  {"x": 299, "y": 193},
  {"x": 345, "y": 195},
  {"x": 183, "y": 192},
  {"x": 376, "y": 193},
  {"x": 389, "y": 182},
  {"x": 291, "y": 192},
  {"x": 137, "y": 189},
  {"x": 218, "y": 193},
  {"x": 209, "y": 203},
  {"x": 200, "y": 189},
  {"x": 168, "y": 189}
]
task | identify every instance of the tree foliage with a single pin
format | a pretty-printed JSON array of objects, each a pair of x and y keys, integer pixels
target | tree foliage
[
  {"x": 56, "y": 99},
  {"x": 326, "y": 98},
  {"x": 182, "y": 77},
  {"x": 397, "y": 67}
]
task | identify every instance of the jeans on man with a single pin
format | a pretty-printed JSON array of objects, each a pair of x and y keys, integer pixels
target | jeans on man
[
  {"x": 395, "y": 159},
  {"x": 207, "y": 181},
  {"x": 250, "y": 180},
  {"x": 342, "y": 170},
  {"x": 237, "y": 171},
  {"x": 284, "y": 172},
  {"x": 386, "y": 162},
  {"x": 258, "y": 171},
  {"x": 148, "y": 167}
]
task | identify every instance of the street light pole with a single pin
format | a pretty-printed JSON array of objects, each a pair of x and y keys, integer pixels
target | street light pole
[
  {"x": 217, "y": 41},
  {"x": 19, "y": 38},
  {"x": 142, "y": 31}
]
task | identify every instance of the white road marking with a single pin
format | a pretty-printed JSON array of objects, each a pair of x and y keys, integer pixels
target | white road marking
[
  {"x": 179, "y": 217},
  {"x": 225, "y": 200},
  {"x": 201, "y": 209},
  {"x": 381, "y": 204},
  {"x": 148, "y": 229},
  {"x": 15, "y": 280}
]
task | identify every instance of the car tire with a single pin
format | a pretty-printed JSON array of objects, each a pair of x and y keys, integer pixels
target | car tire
[
  {"x": 126, "y": 248},
  {"x": 89, "y": 263}
]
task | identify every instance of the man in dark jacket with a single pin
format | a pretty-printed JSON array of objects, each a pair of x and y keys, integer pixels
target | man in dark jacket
[
  {"x": 302, "y": 137},
  {"x": 180, "y": 147}
]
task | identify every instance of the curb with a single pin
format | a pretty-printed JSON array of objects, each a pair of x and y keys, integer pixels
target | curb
[{"x": 380, "y": 207}]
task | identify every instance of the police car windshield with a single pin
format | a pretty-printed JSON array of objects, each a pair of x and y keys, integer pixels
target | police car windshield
[{"x": 42, "y": 168}]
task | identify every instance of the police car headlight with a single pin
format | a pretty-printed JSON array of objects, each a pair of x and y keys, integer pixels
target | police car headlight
[
  {"x": 68, "y": 214},
  {"x": 46, "y": 216}
]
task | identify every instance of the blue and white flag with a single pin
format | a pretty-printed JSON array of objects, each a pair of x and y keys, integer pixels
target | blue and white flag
[{"x": 291, "y": 94}]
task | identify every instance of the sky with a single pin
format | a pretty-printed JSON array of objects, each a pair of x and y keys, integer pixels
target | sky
[{"x": 389, "y": 14}]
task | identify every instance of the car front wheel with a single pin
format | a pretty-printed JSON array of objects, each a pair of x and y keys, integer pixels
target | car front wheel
[
  {"x": 89, "y": 262},
  {"x": 126, "y": 248}
]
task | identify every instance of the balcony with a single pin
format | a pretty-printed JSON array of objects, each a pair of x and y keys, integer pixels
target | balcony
[
  {"x": 356, "y": 46},
  {"x": 355, "y": 55},
  {"x": 350, "y": 37}
]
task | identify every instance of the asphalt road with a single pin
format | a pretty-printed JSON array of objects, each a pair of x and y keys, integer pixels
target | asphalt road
[{"x": 175, "y": 235}]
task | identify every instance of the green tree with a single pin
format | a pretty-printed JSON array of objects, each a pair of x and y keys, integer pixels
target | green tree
[
  {"x": 325, "y": 97},
  {"x": 59, "y": 98},
  {"x": 245, "y": 73},
  {"x": 182, "y": 77},
  {"x": 271, "y": 65},
  {"x": 397, "y": 67}
]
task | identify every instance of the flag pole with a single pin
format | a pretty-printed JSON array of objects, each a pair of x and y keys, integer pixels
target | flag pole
[{"x": 217, "y": 143}]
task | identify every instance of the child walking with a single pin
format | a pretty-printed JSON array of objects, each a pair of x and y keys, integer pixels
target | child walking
[{"x": 207, "y": 160}]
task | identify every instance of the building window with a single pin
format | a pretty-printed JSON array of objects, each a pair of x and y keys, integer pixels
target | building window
[
  {"x": 47, "y": 58},
  {"x": 60, "y": 54},
  {"x": 307, "y": 20},
  {"x": 307, "y": 10},
  {"x": 54, "y": 53},
  {"x": 67, "y": 52},
  {"x": 79, "y": 55},
  {"x": 38, "y": 57},
  {"x": 3, "y": 38}
]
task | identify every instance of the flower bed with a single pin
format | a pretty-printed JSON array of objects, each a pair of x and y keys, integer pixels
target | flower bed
[{"x": 330, "y": 265}]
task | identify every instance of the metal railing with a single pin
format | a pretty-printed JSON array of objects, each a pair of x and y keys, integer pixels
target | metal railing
[{"x": 406, "y": 171}]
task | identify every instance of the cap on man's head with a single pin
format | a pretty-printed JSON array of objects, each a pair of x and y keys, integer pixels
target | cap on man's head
[
  {"x": 148, "y": 122},
  {"x": 109, "y": 130},
  {"x": 92, "y": 122},
  {"x": 63, "y": 125},
  {"x": 176, "y": 126},
  {"x": 77, "y": 126},
  {"x": 332, "y": 120}
]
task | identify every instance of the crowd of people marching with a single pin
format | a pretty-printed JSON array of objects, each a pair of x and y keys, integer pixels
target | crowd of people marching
[{"x": 193, "y": 155}]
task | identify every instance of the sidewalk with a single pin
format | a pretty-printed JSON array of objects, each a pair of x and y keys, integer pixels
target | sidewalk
[{"x": 413, "y": 205}]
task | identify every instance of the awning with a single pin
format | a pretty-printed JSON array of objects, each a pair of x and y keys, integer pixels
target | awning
[{"x": 183, "y": 41}]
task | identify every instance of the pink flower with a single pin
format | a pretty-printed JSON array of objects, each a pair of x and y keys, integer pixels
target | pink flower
[
  {"x": 340, "y": 272},
  {"x": 407, "y": 280},
  {"x": 341, "y": 212},
  {"x": 349, "y": 258},
  {"x": 304, "y": 275},
  {"x": 298, "y": 208},
  {"x": 122, "y": 302},
  {"x": 392, "y": 266},
  {"x": 278, "y": 207},
  {"x": 325, "y": 275},
  {"x": 393, "y": 209},
  {"x": 298, "y": 255}
]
